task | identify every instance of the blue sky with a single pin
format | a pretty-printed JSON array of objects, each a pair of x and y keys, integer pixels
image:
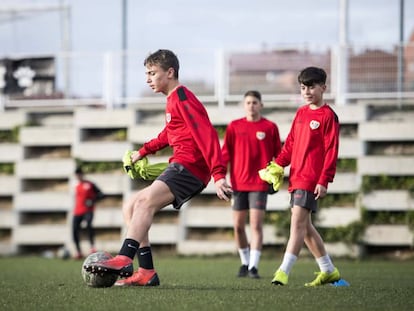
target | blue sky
[
  {"x": 194, "y": 29},
  {"x": 208, "y": 24}
]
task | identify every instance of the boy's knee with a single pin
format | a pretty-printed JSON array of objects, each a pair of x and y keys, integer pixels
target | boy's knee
[
  {"x": 257, "y": 228},
  {"x": 239, "y": 229}
]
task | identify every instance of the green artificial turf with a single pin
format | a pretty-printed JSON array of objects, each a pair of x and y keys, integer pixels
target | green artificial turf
[{"x": 35, "y": 283}]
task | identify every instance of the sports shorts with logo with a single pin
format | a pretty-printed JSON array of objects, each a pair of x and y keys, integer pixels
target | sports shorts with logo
[
  {"x": 243, "y": 200},
  {"x": 303, "y": 198}
]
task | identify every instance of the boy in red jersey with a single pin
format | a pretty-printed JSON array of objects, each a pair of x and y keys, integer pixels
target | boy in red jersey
[
  {"x": 196, "y": 158},
  {"x": 250, "y": 143},
  {"x": 311, "y": 149},
  {"x": 86, "y": 195}
]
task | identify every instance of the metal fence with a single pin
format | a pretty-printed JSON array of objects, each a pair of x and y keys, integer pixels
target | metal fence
[{"x": 115, "y": 78}]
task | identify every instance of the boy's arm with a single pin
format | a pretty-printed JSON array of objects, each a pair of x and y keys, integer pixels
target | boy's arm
[
  {"x": 331, "y": 141},
  {"x": 207, "y": 140},
  {"x": 204, "y": 134},
  {"x": 155, "y": 144},
  {"x": 285, "y": 155},
  {"x": 228, "y": 145},
  {"x": 99, "y": 195},
  {"x": 278, "y": 143}
]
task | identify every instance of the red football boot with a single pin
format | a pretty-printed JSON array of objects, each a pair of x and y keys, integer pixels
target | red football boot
[{"x": 142, "y": 277}]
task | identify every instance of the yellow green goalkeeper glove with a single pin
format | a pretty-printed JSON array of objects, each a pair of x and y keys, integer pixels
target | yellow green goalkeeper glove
[
  {"x": 273, "y": 175},
  {"x": 141, "y": 168}
]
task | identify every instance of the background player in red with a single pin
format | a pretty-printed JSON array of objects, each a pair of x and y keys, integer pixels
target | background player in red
[
  {"x": 86, "y": 195},
  {"x": 196, "y": 158},
  {"x": 250, "y": 144},
  {"x": 311, "y": 149}
]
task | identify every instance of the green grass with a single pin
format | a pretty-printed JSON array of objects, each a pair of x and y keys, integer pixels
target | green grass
[{"x": 33, "y": 283}]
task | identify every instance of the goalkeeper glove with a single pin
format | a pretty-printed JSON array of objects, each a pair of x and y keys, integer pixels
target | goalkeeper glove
[
  {"x": 141, "y": 168},
  {"x": 273, "y": 175}
]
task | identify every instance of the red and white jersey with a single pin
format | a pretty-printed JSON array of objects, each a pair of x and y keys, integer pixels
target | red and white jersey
[
  {"x": 191, "y": 135},
  {"x": 311, "y": 148},
  {"x": 248, "y": 147}
]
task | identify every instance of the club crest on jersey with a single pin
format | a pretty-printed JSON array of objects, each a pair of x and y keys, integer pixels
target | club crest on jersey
[
  {"x": 314, "y": 124},
  {"x": 168, "y": 117},
  {"x": 260, "y": 135}
]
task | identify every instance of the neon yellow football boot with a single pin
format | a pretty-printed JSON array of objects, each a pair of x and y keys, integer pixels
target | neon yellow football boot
[
  {"x": 323, "y": 278},
  {"x": 280, "y": 278}
]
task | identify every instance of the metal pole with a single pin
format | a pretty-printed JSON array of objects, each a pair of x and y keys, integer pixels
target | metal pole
[
  {"x": 342, "y": 72},
  {"x": 108, "y": 81},
  {"x": 66, "y": 44},
  {"x": 124, "y": 51},
  {"x": 400, "y": 81},
  {"x": 221, "y": 89}
]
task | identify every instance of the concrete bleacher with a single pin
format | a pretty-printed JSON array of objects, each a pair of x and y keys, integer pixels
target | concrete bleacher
[{"x": 43, "y": 185}]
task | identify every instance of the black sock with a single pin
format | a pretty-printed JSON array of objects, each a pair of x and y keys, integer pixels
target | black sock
[
  {"x": 129, "y": 248},
  {"x": 145, "y": 258}
]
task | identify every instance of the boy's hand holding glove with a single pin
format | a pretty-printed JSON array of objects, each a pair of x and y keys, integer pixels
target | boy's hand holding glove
[
  {"x": 141, "y": 168},
  {"x": 273, "y": 175}
]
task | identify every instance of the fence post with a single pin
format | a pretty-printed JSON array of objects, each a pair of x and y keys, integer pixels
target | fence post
[
  {"x": 342, "y": 60},
  {"x": 108, "y": 81},
  {"x": 221, "y": 85}
]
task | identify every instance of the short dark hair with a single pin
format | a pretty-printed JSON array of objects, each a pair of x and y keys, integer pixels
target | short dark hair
[
  {"x": 79, "y": 170},
  {"x": 312, "y": 75},
  {"x": 166, "y": 59},
  {"x": 253, "y": 93}
]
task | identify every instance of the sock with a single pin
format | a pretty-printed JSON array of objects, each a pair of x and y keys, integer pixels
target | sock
[
  {"x": 254, "y": 258},
  {"x": 145, "y": 258},
  {"x": 325, "y": 264},
  {"x": 129, "y": 248},
  {"x": 288, "y": 262},
  {"x": 244, "y": 256}
]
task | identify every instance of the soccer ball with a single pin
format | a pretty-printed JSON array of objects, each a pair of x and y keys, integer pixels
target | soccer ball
[{"x": 98, "y": 279}]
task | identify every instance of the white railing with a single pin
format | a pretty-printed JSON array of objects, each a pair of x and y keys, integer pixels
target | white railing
[{"x": 223, "y": 76}]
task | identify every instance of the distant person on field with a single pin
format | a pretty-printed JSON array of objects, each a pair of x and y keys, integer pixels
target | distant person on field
[
  {"x": 86, "y": 195},
  {"x": 196, "y": 159},
  {"x": 311, "y": 150},
  {"x": 250, "y": 143}
]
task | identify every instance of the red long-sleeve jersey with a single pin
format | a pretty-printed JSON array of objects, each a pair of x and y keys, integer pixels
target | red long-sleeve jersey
[
  {"x": 85, "y": 195},
  {"x": 311, "y": 148},
  {"x": 191, "y": 135},
  {"x": 247, "y": 148}
]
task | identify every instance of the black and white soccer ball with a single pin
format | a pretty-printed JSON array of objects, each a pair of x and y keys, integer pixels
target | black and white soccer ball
[{"x": 98, "y": 279}]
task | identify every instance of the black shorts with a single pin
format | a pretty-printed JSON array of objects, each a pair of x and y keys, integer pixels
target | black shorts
[
  {"x": 244, "y": 200},
  {"x": 182, "y": 183},
  {"x": 305, "y": 199}
]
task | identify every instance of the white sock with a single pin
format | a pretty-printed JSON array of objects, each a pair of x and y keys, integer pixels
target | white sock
[
  {"x": 254, "y": 258},
  {"x": 244, "y": 256},
  {"x": 325, "y": 264},
  {"x": 287, "y": 263}
]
